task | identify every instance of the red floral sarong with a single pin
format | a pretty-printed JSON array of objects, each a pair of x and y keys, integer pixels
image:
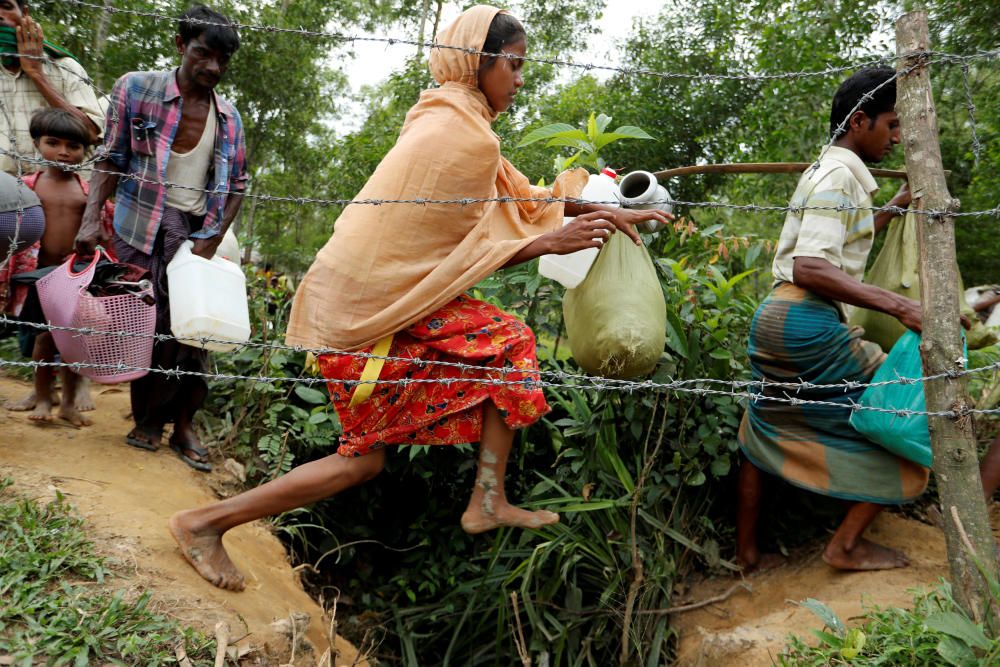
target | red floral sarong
[{"x": 466, "y": 331}]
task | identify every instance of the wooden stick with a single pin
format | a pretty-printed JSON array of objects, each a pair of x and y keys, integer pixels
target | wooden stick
[
  {"x": 761, "y": 168},
  {"x": 221, "y": 642},
  {"x": 697, "y": 605}
]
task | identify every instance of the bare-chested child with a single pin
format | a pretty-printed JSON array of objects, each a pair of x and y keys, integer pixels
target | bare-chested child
[{"x": 59, "y": 137}]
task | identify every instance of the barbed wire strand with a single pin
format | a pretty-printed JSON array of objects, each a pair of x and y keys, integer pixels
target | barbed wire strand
[
  {"x": 468, "y": 201},
  {"x": 851, "y": 406},
  {"x": 596, "y": 381}
]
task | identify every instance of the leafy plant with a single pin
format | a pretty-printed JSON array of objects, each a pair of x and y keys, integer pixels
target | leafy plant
[
  {"x": 587, "y": 142},
  {"x": 935, "y": 632},
  {"x": 52, "y": 612}
]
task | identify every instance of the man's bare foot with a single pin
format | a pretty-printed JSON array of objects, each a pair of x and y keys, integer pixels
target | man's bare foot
[
  {"x": 204, "y": 551},
  {"x": 757, "y": 562},
  {"x": 70, "y": 413},
  {"x": 479, "y": 520},
  {"x": 42, "y": 412},
  {"x": 83, "y": 401},
  {"x": 28, "y": 402},
  {"x": 865, "y": 555}
]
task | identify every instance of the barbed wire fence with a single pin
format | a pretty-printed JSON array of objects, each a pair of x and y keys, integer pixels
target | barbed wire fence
[{"x": 750, "y": 390}]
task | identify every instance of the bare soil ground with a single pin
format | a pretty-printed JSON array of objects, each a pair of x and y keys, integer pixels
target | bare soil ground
[
  {"x": 126, "y": 495},
  {"x": 750, "y": 628}
]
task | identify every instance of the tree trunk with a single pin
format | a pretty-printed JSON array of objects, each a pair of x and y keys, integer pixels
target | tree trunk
[
  {"x": 424, "y": 10},
  {"x": 966, "y": 522},
  {"x": 100, "y": 40}
]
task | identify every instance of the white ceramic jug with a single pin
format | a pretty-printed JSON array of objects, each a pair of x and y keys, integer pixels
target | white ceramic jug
[
  {"x": 640, "y": 189},
  {"x": 208, "y": 299},
  {"x": 570, "y": 270}
]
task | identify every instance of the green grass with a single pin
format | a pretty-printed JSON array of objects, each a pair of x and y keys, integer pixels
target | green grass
[
  {"x": 935, "y": 632},
  {"x": 54, "y": 608}
]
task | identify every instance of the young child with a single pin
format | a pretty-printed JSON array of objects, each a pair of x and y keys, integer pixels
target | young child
[{"x": 59, "y": 137}]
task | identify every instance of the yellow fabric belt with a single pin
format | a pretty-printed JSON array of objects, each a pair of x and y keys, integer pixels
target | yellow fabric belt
[{"x": 371, "y": 372}]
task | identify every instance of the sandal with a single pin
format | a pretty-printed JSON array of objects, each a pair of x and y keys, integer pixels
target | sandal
[
  {"x": 198, "y": 450},
  {"x": 151, "y": 441}
]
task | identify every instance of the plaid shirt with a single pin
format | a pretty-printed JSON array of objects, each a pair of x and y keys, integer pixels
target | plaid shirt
[{"x": 141, "y": 125}]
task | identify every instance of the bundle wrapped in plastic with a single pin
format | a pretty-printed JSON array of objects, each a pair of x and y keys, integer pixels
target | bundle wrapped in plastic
[
  {"x": 897, "y": 269},
  {"x": 616, "y": 319}
]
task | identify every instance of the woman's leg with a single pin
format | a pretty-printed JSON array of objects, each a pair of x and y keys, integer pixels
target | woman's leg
[
  {"x": 199, "y": 531},
  {"x": 488, "y": 507},
  {"x": 847, "y": 550}
]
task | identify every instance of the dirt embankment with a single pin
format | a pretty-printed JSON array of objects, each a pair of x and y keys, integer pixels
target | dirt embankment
[
  {"x": 126, "y": 495},
  {"x": 750, "y": 628}
]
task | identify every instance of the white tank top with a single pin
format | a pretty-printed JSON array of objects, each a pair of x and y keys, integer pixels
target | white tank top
[{"x": 191, "y": 170}]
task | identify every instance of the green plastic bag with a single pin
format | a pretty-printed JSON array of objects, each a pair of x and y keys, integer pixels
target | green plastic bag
[
  {"x": 897, "y": 269},
  {"x": 908, "y": 436},
  {"x": 616, "y": 319}
]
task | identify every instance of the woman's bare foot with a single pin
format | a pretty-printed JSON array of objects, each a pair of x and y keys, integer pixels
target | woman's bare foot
[
  {"x": 42, "y": 412},
  {"x": 865, "y": 555},
  {"x": 83, "y": 401},
  {"x": 71, "y": 414},
  {"x": 481, "y": 519},
  {"x": 204, "y": 551}
]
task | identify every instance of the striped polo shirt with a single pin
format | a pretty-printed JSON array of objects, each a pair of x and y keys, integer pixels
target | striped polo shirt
[{"x": 842, "y": 237}]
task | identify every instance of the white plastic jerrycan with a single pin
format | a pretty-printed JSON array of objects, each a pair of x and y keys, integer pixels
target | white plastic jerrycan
[
  {"x": 570, "y": 270},
  {"x": 208, "y": 299}
]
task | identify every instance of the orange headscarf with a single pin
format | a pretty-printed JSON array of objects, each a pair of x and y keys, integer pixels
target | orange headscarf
[{"x": 385, "y": 267}]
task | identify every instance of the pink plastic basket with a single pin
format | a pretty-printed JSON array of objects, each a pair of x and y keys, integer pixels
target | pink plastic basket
[{"x": 66, "y": 303}]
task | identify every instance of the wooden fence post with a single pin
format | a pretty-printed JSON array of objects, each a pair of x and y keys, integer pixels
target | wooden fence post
[{"x": 966, "y": 520}]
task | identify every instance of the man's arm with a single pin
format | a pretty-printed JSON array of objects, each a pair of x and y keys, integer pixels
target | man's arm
[
  {"x": 102, "y": 186},
  {"x": 29, "y": 44},
  {"x": 823, "y": 278},
  {"x": 206, "y": 247},
  {"x": 901, "y": 200}
]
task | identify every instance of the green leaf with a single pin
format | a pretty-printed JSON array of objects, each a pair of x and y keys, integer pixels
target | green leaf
[
  {"x": 853, "y": 644},
  {"x": 959, "y": 627},
  {"x": 833, "y": 641},
  {"x": 602, "y": 122},
  {"x": 318, "y": 418},
  {"x": 675, "y": 334},
  {"x": 592, "y": 131},
  {"x": 572, "y": 142},
  {"x": 632, "y": 132},
  {"x": 310, "y": 395},
  {"x": 956, "y": 653},
  {"x": 720, "y": 467},
  {"x": 548, "y": 132},
  {"x": 825, "y": 614}
]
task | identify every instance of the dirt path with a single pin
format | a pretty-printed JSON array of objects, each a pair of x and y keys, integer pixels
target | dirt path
[
  {"x": 126, "y": 495},
  {"x": 750, "y": 628}
]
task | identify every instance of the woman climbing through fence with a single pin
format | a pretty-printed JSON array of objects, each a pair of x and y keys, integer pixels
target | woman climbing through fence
[{"x": 392, "y": 280}]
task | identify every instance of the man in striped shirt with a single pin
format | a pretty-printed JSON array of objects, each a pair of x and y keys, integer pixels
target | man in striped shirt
[
  {"x": 799, "y": 334},
  {"x": 181, "y": 146}
]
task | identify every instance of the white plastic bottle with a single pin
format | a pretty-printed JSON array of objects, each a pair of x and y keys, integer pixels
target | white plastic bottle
[
  {"x": 208, "y": 299},
  {"x": 570, "y": 270}
]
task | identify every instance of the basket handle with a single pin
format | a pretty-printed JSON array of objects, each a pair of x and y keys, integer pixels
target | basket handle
[{"x": 90, "y": 268}]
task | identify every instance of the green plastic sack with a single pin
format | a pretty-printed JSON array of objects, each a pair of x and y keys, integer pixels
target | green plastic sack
[
  {"x": 907, "y": 437},
  {"x": 616, "y": 319},
  {"x": 897, "y": 269}
]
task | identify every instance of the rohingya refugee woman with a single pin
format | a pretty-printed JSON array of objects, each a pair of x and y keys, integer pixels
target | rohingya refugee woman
[{"x": 392, "y": 280}]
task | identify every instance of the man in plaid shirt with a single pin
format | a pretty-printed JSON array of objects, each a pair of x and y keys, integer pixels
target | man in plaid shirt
[{"x": 180, "y": 147}]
